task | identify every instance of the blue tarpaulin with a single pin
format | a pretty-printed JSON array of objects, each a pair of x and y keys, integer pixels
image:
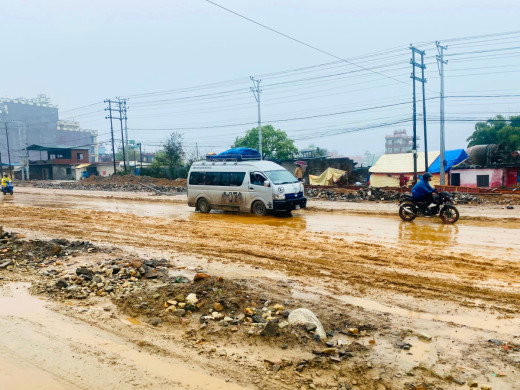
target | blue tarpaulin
[
  {"x": 452, "y": 157},
  {"x": 236, "y": 153}
]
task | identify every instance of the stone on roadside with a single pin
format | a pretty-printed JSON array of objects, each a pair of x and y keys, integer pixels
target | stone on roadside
[
  {"x": 61, "y": 283},
  {"x": 283, "y": 324},
  {"x": 191, "y": 299},
  {"x": 303, "y": 316},
  {"x": 155, "y": 321},
  {"x": 200, "y": 276},
  {"x": 218, "y": 306}
]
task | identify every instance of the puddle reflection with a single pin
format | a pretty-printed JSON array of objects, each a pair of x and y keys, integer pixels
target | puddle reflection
[
  {"x": 293, "y": 221},
  {"x": 439, "y": 233}
]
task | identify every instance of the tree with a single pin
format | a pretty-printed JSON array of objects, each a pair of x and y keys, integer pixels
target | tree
[
  {"x": 171, "y": 154},
  {"x": 275, "y": 143},
  {"x": 501, "y": 131}
]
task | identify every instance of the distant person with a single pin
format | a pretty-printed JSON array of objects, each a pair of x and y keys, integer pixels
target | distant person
[
  {"x": 5, "y": 180},
  {"x": 298, "y": 172},
  {"x": 422, "y": 191}
]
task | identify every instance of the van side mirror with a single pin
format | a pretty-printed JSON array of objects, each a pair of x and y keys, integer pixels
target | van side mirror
[{"x": 267, "y": 184}]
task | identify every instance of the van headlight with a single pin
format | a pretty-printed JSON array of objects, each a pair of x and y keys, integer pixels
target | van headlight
[{"x": 279, "y": 196}]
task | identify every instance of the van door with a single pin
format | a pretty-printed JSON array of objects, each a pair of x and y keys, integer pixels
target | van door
[{"x": 257, "y": 189}]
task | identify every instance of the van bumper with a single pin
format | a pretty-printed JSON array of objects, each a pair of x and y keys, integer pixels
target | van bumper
[{"x": 290, "y": 204}]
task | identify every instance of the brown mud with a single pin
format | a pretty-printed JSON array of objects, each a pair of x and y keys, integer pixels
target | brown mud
[{"x": 446, "y": 290}]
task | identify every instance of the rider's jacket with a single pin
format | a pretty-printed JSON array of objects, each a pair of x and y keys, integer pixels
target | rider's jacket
[
  {"x": 5, "y": 180},
  {"x": 421, "y": 189}
]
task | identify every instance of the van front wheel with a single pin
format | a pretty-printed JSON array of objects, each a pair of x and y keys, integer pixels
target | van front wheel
[
  {"x": 203, "y": 205},
  {"x": 259, "y": 208}
]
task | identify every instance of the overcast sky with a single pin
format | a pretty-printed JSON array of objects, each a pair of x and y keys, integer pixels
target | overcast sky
[{"x": 157, "y": 52}]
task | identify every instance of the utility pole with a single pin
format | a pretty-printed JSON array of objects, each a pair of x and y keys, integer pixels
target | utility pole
[
  {"x": 120, "y": 104},
  {"x": 140, "y": 155},
  {"x": 109, "y": 109},
  {"x": 423, "y": 81},
  {"x": 197, "y": 151},
  {"x": 8, "y": 150},
  {"x": 440, "y": 65},
  {"x": 257, "y": 91},
  {"x": 126, "y": 131}
]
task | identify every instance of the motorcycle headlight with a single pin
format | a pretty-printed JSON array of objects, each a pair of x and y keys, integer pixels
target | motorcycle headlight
[{"x": 279, "y": 196}]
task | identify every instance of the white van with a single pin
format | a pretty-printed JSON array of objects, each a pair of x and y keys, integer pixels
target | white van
[{"x": 249, "y": 186}]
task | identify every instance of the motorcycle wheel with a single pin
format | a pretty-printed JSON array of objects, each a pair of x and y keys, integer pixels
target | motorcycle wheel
[
  {"x": 11, "y": 192},
  {"x": 449, "y": 214},
  {"x": 405, "y": 215}
]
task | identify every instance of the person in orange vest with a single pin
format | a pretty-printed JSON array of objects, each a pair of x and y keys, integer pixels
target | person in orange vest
[{"x": 298, "y": 172}]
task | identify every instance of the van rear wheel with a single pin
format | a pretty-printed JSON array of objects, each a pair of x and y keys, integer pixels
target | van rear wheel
[
  {"x": 203, "y": 205},
  {"x": 259, "y": 208}
]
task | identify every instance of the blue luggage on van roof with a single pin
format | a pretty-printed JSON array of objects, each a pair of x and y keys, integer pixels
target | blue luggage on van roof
[{"x": 235, "y": 154}]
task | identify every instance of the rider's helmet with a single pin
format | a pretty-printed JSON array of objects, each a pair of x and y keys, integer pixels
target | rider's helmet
[
  {"x": 427, "y": 176},
  {"x": 6, "y": 175}
]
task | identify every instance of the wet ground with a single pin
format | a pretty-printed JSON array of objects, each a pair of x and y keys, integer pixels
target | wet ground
[{"x": 458, "y": 283}]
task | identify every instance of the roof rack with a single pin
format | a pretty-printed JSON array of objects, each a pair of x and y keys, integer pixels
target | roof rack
[{"x": 235, "y": 154}]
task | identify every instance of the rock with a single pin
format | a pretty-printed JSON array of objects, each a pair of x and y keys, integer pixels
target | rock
[
  {"x": 6, "y": 263},
  {"x": 303, "y": 316},
  {"x": 257, "y": 318},
  {"x": 496, "y": 342},
  {"x": 248, "y": 311},
  {"x": 425, "y": 337},
  {"x": 191, "y": 299},
  {"x": 485, "y": 387},
  {"x": 97, "y": 279},
  {"x": 171, "y": 302},
  {"x": 403, "y": 345},
  {"x": 179, "y": 298},
  {"x": 278, "y": 307},
  {"x": 61, "y": 283},
  {"x": 155, "y": 321},
  {"x": 276, "y": 367},
  {"x": 241, "y": 316},
  {"x": 55, "y": 250},
  {"x": 178, "y": 312},
  {"x": 310, "y": 326},
  {"x": 473, "y": 384},
  {"x": 271, "y": 329},
  {"x": 116, "y": 269},
  {"x": 328, "y": 351},
  {"x": 216, "y": 315},
  {"x": 109, "y": 289},
  {"x": 87, "y": 273},
  {"x": 283, "y": 324},
  {"x": 353, "y": 330},
  {"x": 137, "y": 264},
  {"x": 218, "y": 306},
  {"x": 510, "y": 207},
  {"x": 201, "y": 276}
]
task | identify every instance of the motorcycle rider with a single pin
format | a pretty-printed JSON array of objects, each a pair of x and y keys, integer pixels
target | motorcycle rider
[
  {"x": 6, "y": 179},
  {"x": 422, "y": 191}
]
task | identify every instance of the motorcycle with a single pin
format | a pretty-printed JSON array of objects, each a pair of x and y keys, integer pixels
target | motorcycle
[
  {"x": 8, "y": 188},
  {"x": 442, "y": 205}
]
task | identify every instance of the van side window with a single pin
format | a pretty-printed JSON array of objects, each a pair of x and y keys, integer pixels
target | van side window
[
  {"x": 237, "y": 178},
  {"x": 217, "y": 178},
  {"x": 225, "y": 178},
  {"x": 195, "y": 178}
]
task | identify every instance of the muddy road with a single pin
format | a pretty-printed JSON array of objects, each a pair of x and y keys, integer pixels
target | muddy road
[{"x": 458, "y": 284}]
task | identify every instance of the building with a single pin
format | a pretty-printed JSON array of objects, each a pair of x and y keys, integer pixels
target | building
[
  {"x": 399, "y": 142},
  {"x": 57, "y": 162},
  {"x": 35, "y": 121},
  {"x": 397, "y": 170}
]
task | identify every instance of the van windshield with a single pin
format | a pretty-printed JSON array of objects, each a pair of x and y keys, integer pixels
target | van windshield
[{"x": 281, "y": 177}]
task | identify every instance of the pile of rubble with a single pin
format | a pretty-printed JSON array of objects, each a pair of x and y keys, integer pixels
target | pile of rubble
[
  {"x": 337, "y": 194},
  {"x": 34, "y": 255},
  {"x": 461, "y": 198},
  {"x": 118, "y": 183},
  {"x": 116, "y": 278}
]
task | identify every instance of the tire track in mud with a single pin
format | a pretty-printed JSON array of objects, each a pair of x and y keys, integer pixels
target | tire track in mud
[{"x": 361, "y": 268}]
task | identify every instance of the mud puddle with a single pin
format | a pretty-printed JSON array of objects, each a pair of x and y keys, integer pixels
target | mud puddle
[
  {"x": 43, "y": 349},
  {"x": 391, "y": 229}
]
